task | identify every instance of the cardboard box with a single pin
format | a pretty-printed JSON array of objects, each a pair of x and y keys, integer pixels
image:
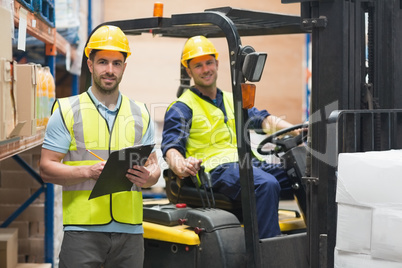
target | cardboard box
[
  {"x": 33, "y": 247},
  {"x": 18, "y": 179},
  {"x": 23, "y": 228},
  {"x": 37, "y": 247},
  {"x": 36, "y": 229},
  {"x": 7, "y": 32},
  {"x": 34, "y": 265},
  {"x": 8, "y": 247},
  {"x": 25, "y": 83},
  {"x": 23, "y": 246},
  {"x": 11, "y": 164},
  {"x": 7, "y": 100},
  {"x": 370, "y": 204},
  {"x": 35, "y": 212},
  {"x": 14, "y": 195}
]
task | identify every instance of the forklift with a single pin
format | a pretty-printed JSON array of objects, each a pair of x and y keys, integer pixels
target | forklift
[{"x": 354, "y": 108}]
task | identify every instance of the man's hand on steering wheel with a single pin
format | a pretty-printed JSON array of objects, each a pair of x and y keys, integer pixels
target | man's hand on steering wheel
[{"x": 284, "y": 142}]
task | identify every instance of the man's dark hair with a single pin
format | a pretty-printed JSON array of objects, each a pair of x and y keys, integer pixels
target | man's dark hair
[{"x": 94, "y": 51}]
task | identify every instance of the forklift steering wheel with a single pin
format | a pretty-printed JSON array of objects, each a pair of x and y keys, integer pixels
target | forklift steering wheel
[{"x": 284, "y": 143}]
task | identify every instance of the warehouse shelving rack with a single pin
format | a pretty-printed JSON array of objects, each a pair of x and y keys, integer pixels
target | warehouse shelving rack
[{"x": 41, "y": 26}]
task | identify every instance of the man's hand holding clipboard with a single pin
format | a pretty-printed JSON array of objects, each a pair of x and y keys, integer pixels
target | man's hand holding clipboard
[{"x": 113, "y": 177}]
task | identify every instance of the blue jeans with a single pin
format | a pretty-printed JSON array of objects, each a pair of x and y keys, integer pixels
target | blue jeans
[{"x": 269, "y": 180}]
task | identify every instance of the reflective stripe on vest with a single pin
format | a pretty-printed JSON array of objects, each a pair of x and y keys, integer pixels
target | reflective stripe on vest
[
  {"x": 211, "y": 139},
  {"x": 89, "y": 130}
]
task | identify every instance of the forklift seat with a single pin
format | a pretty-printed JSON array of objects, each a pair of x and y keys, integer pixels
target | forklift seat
[{"x": 184, "y": 191}]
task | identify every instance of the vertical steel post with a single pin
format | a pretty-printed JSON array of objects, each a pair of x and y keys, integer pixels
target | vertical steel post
[{"x": 49, "y": 188}]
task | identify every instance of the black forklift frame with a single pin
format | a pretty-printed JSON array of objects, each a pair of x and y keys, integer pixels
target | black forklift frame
[
  {"x": 355, "y": 98},
  {"x": 230, "y": 23},
  {"x": 345, "y": 84}
]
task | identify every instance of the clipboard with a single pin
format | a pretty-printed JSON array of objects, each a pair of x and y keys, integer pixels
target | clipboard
[{"x": 113, "y": 177}]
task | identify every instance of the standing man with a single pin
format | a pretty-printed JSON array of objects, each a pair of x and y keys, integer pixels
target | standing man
[
  {"x": 199, "y": 129},
  {"x": 104, "y": 231}
]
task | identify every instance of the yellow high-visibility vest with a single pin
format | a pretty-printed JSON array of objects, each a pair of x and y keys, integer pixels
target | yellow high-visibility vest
[
  {"x": 211, "y": 138},
  {"x": 89, "y": 130}
]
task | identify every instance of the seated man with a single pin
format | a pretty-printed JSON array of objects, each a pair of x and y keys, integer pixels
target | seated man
[{"x": 199, "y": 129}]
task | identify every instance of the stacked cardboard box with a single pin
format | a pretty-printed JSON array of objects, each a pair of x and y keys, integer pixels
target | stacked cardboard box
[
  {"x": 8, "y": 247},
  {"x": 16, "y": 186},
  {"x": 25, "y": 88},
  {"x": 7, "y": 98},
  {"x": 33, "y": 265},
  {"x": 18, "y": 88},
  {"x": 369, "y": 210},
  {"x": 7, "y": 94},
  {"x": 7, "y": 30}
]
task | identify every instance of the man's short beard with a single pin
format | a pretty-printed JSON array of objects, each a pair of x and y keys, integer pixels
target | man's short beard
[
  {"x": 108, "y": 92},
  {"x": 104, "y": 91}
]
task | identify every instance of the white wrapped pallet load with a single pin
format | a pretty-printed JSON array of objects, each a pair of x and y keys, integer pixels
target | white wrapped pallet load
[{"x": 370, "y": 206}]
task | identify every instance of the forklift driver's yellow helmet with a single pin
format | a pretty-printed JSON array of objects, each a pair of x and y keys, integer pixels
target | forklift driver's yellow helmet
[
  {"x": 197, "y": 46},
  {"x": 108, "y": 38}
]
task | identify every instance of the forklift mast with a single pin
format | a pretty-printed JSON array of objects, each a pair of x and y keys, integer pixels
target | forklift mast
[{"x": 355, "y": 97}]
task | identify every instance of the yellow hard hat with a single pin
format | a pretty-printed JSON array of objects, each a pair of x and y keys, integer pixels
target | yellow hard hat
[
  {"x": 108, "y": 38},
  {"x": 197, "y": 46}
]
